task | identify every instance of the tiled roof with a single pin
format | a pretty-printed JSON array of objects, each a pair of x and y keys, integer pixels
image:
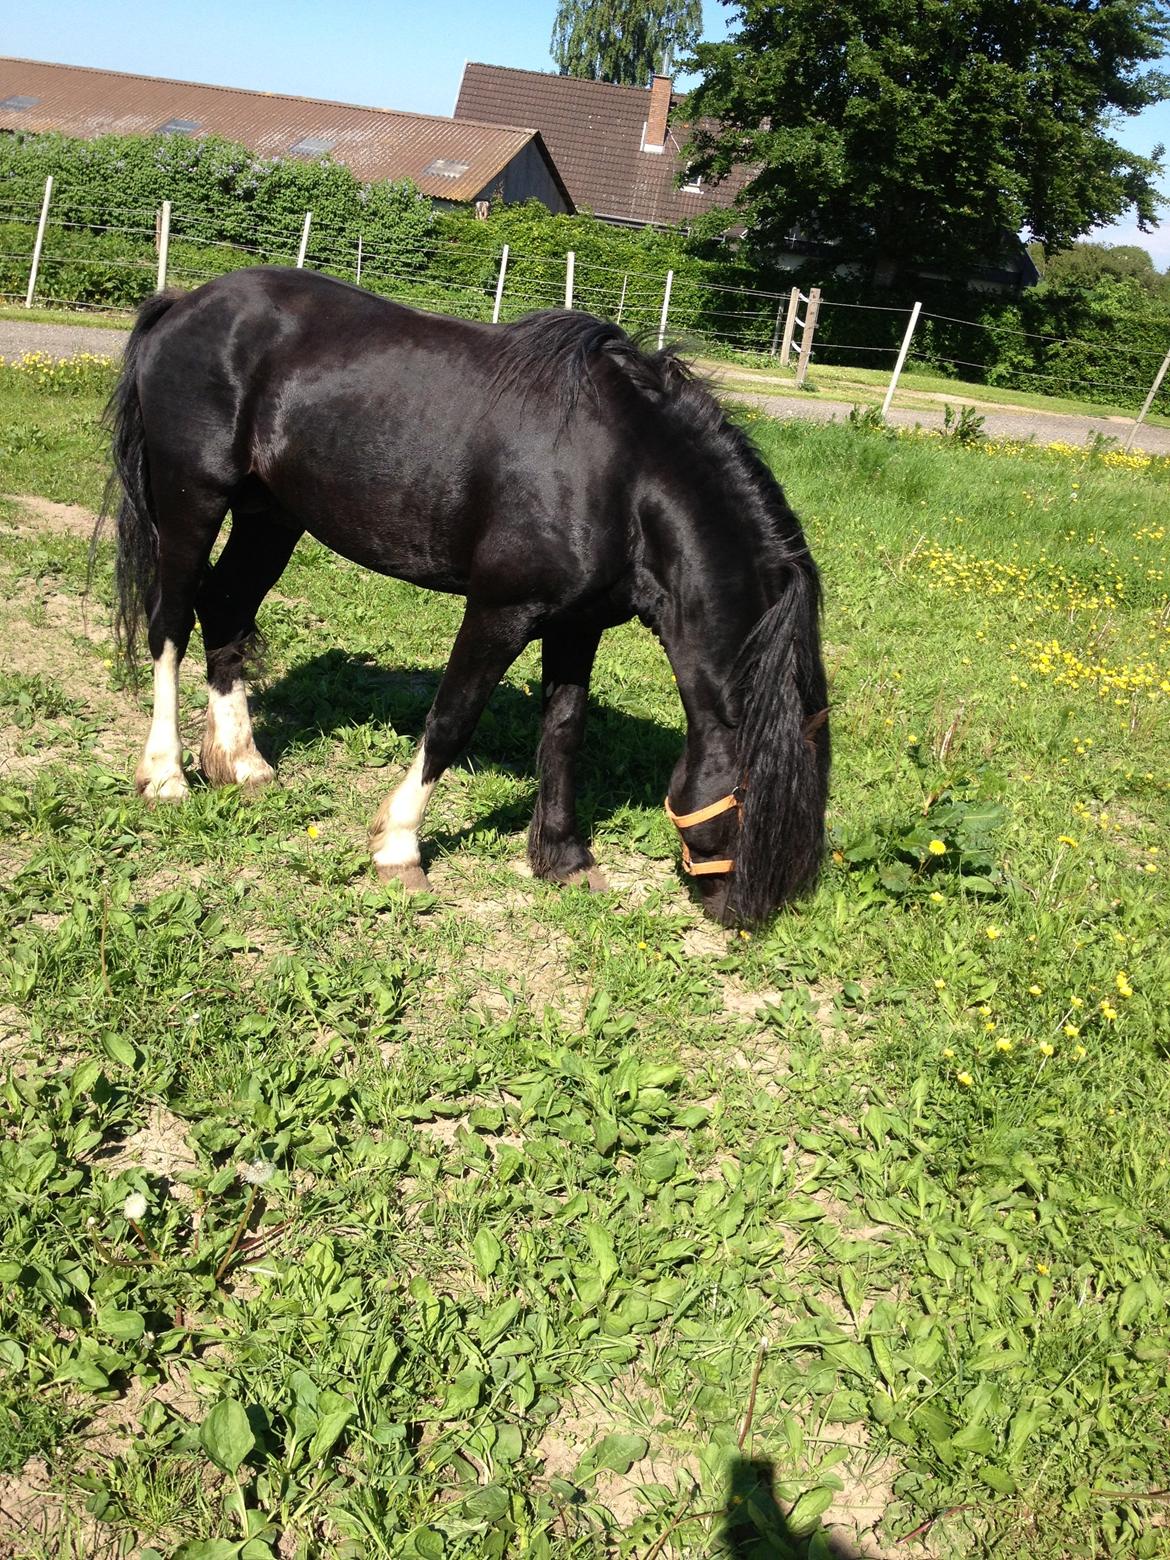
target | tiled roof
[
  {"x": 594, "y": 132},
  {"x": 448, "y": 159}
]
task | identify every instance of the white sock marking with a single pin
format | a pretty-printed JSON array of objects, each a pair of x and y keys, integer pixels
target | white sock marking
[
  {"x": 229, "y": 727},
  {"x": 160, "y": 774},
  {"x": 400, "y": 816}
]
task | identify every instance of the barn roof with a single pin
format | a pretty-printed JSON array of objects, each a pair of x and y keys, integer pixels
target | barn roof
[{"x": 449, "y": 159}]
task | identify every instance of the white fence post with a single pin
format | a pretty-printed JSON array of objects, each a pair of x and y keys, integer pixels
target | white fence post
[
  {"x": 164, "y": 246},
  {"x": 358, "y": 273},
  {"x": 914, "y": 313},
  {"x": 665, "y": 310},
  {"x": 570, "y": 265},
  {"x": 36, "y": 259},
  {"x": 622, "y": 299},
  {"x": 304, "y": 240},
  {"x": 808, "y": 333},
  {"x": 1149, "y": 401},
  {"x": 500, "y": 286},
  {"x": 789, "y": 327}
]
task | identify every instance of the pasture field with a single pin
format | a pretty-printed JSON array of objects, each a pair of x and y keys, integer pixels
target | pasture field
[{"x": 517, "y": 1221}]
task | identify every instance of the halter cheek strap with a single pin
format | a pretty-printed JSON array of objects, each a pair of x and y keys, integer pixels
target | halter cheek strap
[{"x": 691, "y": 820}]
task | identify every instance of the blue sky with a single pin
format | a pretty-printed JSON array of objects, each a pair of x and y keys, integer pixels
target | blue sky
[{"x": 385, "y": 53}]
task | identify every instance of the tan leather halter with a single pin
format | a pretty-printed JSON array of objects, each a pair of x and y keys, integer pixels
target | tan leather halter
[{"x": 691, "y": 820}]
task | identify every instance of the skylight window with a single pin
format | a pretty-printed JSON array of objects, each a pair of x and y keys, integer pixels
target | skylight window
[
  {"x": 313, "y": 145},
  {"x": 444, "y": 168},
  {"x": 178, "y": 127},
  {"x": 19, "y": 102}
]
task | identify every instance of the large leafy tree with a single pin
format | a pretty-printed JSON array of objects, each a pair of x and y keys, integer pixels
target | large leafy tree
[
  {"x": 623, "y": 41},
  {"x": 925, "y": 129}
]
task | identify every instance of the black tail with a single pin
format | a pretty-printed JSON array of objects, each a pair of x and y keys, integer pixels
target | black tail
[
  {"x": 783, "y": 752},
  {"x": 129, "y": 489}
]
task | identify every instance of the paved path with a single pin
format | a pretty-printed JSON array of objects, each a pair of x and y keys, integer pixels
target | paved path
[{"x": 62, "y": 341}]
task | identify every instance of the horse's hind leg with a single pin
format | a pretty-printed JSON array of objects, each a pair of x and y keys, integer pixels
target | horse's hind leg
[
  {"x": 555, "y": 847},
  {"x": 187, "y": 527},
  {"x": 253, "y": 559},
  {"x": 488, "y": 641}
]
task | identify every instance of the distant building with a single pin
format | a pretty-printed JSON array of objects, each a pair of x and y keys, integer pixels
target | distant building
[
  {"x": 618, "y": 149},
  {"x": 453, "y": 161}
]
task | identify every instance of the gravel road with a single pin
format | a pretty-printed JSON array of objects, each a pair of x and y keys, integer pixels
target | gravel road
[{"x": 62, "y": 341}]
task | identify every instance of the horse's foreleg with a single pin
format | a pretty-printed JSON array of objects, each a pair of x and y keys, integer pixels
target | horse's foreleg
[
  {"x": 488, "y": 641},
  {"x": 555, "y": 847},
  {"x": 253, "y": 559}
]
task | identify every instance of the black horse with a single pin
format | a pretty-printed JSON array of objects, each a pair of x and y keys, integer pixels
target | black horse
[{"x": 551, "y": 472}]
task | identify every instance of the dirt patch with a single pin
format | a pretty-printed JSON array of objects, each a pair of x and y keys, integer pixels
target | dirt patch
[
  {"x": 45, "y": 515},
  {"x": 34, "y": 1516},
  {"x": 161, "y": 1148},
  {"x": 578, "y": 1425}
]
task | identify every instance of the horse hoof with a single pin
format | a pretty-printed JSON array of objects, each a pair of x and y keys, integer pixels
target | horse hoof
[
  {"x": 253, "y": 773},
  {"x": 413, "y": 879},
  {"x": 171, "y": 789},
  {"x": 591, "y": 878}
]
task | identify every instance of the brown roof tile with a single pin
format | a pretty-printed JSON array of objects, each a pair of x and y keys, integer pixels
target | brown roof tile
[
  {"x": 375, "y": 143},
  {"x": 594, "y": 132}
]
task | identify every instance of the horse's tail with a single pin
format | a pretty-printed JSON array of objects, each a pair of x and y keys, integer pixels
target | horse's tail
[
  {"x": 128, "y": 488},
  {"x": 783, "y": 752}
]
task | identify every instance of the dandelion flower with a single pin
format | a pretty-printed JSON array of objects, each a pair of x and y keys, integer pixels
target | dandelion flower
[
  {"x": 641, "y": 947},
  {"x": 1035, "y": 991},
  {"x": 948, "y": 1052},
  {"x": 258, "y": 1173},
  {"x": 1071, "y": 1031},
  {"x": 1076, "y": 1002},
  {"x": 312, "y": 831},
  {"x": 1108, "y": 1013},
  {"x": 134, "y": 1207},
  {"x": 965, "y": 1079},
  {"x": 936, "y": 898},
  {"x": 1047, "y": 1048},
  {"x": 1005, "y": 1046},
  {"x": 937, "y": 848},
  {"x": 940, "y": 985},
  {"x": 1067, "y": 839},
  {"x": 992, "y": 932},
  {"x": 1042, "y": 1269}
]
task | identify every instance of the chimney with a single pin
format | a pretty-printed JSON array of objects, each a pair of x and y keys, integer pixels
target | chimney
[{"x": 654, "y": 136}]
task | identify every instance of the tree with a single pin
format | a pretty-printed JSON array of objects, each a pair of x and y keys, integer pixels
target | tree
[
  {"x": 927, "y": 130},
  {"x": 624, "y": 42},
  {"x": 1087, "y": 264}
]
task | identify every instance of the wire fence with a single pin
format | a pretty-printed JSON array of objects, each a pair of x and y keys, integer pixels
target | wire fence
[{"x": 113, "y": 259}]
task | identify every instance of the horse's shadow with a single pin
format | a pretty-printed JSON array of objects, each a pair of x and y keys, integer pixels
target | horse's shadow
[
  {"x": 753, "y": 1525},
  {"x": 625, "y": 759}
]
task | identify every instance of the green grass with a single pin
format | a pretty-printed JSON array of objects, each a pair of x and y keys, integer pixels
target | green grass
[
  {"x": 465, "y": 1216},
  {"x": 917, "y": 388},
  {"x": 103, "y": 319}
]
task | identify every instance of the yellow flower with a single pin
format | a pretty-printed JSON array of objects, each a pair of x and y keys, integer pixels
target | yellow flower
[
  {"x": 989, "y": 1027},
  {"x": 1046, "y": 1049},
  {"x": 1079, "y": 1051},
  {"x": 641, "y": 947},
  {"x": 1076, "y": 1002},
  {"x": 1108, "y": 1013},
  {"x": 1123, "y": 985},
  {"x": 1035, "y": 990},
  {"x": 1005, "y": 1046},
  {"x": 1071, "y": 1031},
  {"x": 1042, "y": 1268},
  {"x": 992, "y": 932},
  {"x": 747, "y": 936},
  {"x": 937, "y": 848},
  {"x": 937, "y": 898},
  {"x": 312, "y": 831},
  {"x": 912, "y": 740},
  {"x": 965, "y": 1079},
  {"x": 940, "y": 985},
  {"x": 948, "y": 1051}
]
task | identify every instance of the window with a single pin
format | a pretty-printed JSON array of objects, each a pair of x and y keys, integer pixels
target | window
[
  {"x": 444, "y": 168},
  {"x": 19, "y": 102},
  {"x": 313, "y": 146},
  {"x": 178, "y": 127},
  {"x": 692, "y": 183}
]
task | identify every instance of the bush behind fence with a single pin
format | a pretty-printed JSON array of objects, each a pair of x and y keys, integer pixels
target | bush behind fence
[{"x": 1099, "y": 342}]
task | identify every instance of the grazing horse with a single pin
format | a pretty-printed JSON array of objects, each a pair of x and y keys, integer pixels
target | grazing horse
[{"x": 551, "y": 472}]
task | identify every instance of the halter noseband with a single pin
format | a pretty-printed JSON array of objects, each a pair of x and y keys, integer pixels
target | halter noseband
[{"x": 691, "y": 820}]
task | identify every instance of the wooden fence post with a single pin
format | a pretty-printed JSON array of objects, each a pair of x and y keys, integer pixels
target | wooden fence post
[
  {"x": 1148, "y": 402},
  {"x": 164, "y": 246},
  {"x": 789, "y": 327},
  {"x": 914, "y": 313},
  {"x": 570, "y": 263},
  {"x": 811, "y": 309},
  {"x": 36, "y": 259},
  {"x": 500, "y": 286},
  {"x": 304, "y": 240},
  {"x": 665, "y": 310},
  {"x": 622, "y": 299}
]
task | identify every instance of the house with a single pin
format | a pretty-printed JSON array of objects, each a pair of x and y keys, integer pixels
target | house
[
  {"x": 452, "y": 161},
  {"x": 618, "y": 149}
]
